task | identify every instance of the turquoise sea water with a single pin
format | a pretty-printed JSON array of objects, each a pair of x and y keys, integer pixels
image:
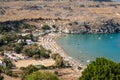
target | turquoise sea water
[{"x": 85, "y": 47}]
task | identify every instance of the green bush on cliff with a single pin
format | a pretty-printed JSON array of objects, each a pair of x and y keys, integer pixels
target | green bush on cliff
[
  {"x": 28, "y": 70},
  {"x": 46, "y": 27},
  {"x": 41, "y": 76},
  {"x": 35, "y": 51},
  {"x": 101, "y": 69},
  {"x": 59, "y": 62},
  {"x": 1, "y": 77}
]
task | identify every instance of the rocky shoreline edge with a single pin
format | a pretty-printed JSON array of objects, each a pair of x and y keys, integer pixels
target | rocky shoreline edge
[{"x": 98, "y": 26}]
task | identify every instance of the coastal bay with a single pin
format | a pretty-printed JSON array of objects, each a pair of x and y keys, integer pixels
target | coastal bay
[
  {"x": 61, "y": 37},
  {"x": 87, "y": 47},
  {"x": 49, "y": 42}
]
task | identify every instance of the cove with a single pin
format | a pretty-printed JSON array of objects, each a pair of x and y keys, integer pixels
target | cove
[{"x": 85, "y": 47}]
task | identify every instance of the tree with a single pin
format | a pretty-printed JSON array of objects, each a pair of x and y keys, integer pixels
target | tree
[
  {"x": 15, "y": 26},
  {"x": 43, "y": 52},
  {"x": 59, "y": 61},
  {"x": 35, "y": 51},
  {"x": 101, "y": 69},
  {"x": 1, "y": 69},
  {"x": 31, "y": 37},
  {"x": 30, "y": 50},
  {"x": 28, "y": 70},
  {"x": 8, "y": 63},
  {"x": 46, "y": 27},
  {"x": 18, "y": 48},
  {"x": 41, "y": 76},
  {"x": 53, "y": 56},
  {"x": 1, "y": 42},
  {"x": 36, "y": 56},
  {"x": 8, "y": 72},
  {"x": 1, "y": 77}
]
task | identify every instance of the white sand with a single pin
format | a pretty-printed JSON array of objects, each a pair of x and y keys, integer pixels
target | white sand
[{"x": 49, "y": 42}]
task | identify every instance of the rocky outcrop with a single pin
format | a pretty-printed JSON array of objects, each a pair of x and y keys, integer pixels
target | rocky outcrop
[
  {"x": 96, "y": 26},
  {"x": 2, "y": 11}
]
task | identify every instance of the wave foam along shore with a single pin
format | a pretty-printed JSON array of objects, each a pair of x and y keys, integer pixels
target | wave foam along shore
[{"x": 49, "y": 42}]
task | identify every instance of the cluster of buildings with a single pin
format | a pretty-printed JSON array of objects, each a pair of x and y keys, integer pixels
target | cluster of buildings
[{"x": 13, "y": 56}]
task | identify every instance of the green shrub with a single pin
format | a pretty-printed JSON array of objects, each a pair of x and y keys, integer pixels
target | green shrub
[
  {"x": 53, "y": 56},
  {"x": 35, "y": 52},
  {"x": 8, "y": 72},
  {"x": 101, "y": 69},
  {"x": 46, "y": 27},
  {"x": 15, "y": 75},
  {"x": 59, "y": 61},
  {"x": 41, "y": 76},
  {"x": 56, "y": 72},
  {"x": 1, "y": 77},
  {"x": 40, "y": 66},
  {"x": 9, "y": 64}
]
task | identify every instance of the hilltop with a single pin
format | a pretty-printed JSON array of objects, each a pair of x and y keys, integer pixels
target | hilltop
[
  {"x": 71, "y": 10},
  {"x": 68, "y": 9}
]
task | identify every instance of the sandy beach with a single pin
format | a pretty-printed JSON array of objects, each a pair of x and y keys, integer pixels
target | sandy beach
[{"x": 49, "y": 43}]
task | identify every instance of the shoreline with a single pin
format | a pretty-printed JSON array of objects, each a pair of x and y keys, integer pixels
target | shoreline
[{"x": 49, "y": 43}]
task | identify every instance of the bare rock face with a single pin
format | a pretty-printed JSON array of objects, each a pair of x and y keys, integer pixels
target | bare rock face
[
  {"x": 2, "y": 11},
  {"x": 97, "y": 26}
]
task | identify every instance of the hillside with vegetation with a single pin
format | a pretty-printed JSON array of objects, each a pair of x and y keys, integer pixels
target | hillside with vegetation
[{"x": 101, "y": 69}]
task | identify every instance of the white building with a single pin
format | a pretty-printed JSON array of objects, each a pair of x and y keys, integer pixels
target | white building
[
  {"x": 29, "y": 42},
  {"x": 20, "y": 40},
  {"x": 2, "y": 64}
]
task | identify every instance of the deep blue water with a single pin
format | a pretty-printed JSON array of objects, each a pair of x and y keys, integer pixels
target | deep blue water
[{"x": 84, "y": 47}]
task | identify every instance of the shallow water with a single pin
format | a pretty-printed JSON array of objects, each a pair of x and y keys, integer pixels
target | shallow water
[{"x": 85, "y": 47}]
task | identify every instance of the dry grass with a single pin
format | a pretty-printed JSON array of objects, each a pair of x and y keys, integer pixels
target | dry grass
[
  {"x": 66, "y": 73},
  {"x": 9, "y": 77},
  {"x": 20, "y": 10},
  {"x": 25, "y": 63}
]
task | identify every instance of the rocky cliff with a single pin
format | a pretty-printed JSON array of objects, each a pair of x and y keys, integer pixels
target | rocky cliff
[
  {"x": 2, "y": 11},
  {"x": 96, "y": 26}
]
